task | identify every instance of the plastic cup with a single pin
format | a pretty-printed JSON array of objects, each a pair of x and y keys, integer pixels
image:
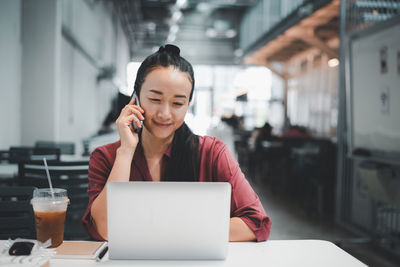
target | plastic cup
[{"x": 50, "y": 214}]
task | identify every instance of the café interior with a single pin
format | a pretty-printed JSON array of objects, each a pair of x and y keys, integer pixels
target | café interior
[{"x": 276, "y": 80}]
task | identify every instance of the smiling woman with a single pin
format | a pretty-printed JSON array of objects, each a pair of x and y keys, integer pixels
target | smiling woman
[
  {"x": 165, "y": 149},
  {"x": 165, "y": 99}
]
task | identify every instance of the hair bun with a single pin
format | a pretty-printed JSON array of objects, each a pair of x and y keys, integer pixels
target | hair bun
[{"x": 171, "y": 49}]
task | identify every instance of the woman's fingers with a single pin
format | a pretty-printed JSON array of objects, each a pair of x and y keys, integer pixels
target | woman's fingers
[
  {"x": 133, "y": 100},
  {"x": 129, "y": 109},
  {"x": 129, "y": 106},
  {"x": 128, "y": 120},
  {"x": 130, "y": 114},
  {"x": 134, "y": 119}
]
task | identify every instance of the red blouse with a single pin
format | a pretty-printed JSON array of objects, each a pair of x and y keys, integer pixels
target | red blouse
[{"x": 216, "y": 165}]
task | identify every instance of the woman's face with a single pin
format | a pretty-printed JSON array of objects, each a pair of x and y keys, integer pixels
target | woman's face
[{"x": 164, "y": 96}]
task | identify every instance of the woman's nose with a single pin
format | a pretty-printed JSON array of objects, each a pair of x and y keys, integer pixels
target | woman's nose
[{"x": 164, "y": 111}]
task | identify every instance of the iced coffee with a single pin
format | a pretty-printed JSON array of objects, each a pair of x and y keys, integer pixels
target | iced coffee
[{"x": 50, "y": 210}]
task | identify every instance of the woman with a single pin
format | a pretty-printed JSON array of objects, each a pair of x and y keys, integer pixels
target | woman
[{"x": 166, "y": 150}]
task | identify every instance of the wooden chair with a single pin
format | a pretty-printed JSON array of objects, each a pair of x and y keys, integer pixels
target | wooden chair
[{"x": 16, "y": 213}]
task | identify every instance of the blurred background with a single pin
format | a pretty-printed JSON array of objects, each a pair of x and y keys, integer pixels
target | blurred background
[{"x": 305, "y": 94}]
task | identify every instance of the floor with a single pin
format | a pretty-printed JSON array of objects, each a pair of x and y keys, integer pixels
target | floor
[{"x": 289, "y": 222}]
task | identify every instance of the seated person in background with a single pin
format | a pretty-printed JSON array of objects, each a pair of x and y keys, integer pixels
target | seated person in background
[
  {"x": 234, "y": 121},
  {"x": 165, "y": 149},
  {"x": 296, "y": 131},
  {"x": 261, "y": 134}
]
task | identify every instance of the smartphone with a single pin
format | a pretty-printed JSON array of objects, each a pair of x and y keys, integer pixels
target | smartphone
[{"x": 135, "y": 127}]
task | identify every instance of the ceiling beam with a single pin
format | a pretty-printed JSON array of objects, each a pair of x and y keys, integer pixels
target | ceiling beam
[
  {"x": 275, "y": 71},
  {"x": 318, "y": 43},
  {"x": 263, "y": 62},
  {"x": 284, "y": 44},
  {"x": 307, "y": 34}
]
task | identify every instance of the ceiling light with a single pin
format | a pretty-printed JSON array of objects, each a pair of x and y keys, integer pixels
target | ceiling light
[
  {"x": 230, "y": 33},
  {"x": 171, "y": 38},
  {"x": 238, "y": 52},
  {"x": 221, "y": 25},
  {"x": 203, "y": 7},
  {"x": 151, "y": 26},
  {"x": 211, "y": 33},
  {"x": 174, "y": 29},
  {"x": 181, "y": 3},
  {"x": 333, "y": 62},
  {"x": 176, "y": 16}
]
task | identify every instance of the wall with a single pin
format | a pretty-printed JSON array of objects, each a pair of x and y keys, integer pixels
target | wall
[
  {"x": 10, "y": 73},
  {"x": 41, "y": 35},
  {"x": 122, "y": 56},
  {"x": 312, "y": 94},
  {"x": 375, "y": 94},
  {"x": 49, "y": 89},
  {"x": 85, "y": 102}
]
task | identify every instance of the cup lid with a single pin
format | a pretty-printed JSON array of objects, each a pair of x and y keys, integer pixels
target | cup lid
[{"x": 46, "y": 193}]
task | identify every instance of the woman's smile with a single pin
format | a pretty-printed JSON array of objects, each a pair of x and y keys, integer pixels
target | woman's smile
[{"x": 162, "y": 124}]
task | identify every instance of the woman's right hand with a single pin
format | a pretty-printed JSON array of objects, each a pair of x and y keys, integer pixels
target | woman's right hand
[{"x": 129, "y": 114}]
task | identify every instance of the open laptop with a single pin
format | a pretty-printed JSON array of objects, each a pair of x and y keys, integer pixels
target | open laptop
[{"x": 168, "y": 220}]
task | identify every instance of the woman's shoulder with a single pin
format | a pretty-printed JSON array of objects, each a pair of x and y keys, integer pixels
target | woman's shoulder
[
  {"x": 216, "y": 159},
  {"x": 108, "y": 150},
  {"x": 211, "y": 144}
]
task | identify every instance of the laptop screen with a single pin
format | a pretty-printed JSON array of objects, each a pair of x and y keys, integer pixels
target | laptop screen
[{"x": 168, "y": 220}]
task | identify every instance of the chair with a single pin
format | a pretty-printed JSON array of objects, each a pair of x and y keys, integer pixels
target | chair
[
  {"x": 241, "y": 144},
  {"x": 68, "y": 175},
  {"x": 16, "y": 213},
  {"x": 22, "y": 154},
  {"x": 26, "y": 153},
  {"x": 4, "y": 156},
  {"x": 7, "y": 169},
  {"x": 66, "y": 148},
  {"x": 271, "y": 159},
  {"x": 312, "y": 169}
]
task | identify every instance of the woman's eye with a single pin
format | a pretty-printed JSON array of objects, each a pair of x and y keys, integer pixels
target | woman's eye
[
  {"x": 154, "y": 100},
  {"x": 178, "y": 104}
]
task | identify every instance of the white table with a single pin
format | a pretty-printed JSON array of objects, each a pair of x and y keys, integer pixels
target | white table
[
  {"x": 273, "y": 253},
  {"x": 71, "y": 158}
]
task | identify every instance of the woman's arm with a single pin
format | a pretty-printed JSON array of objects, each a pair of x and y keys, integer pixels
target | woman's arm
[
  {"x": 120, "y": 172},
  {"x": 121, "y": 169},
  {"x": 248, "y": 218},
  {"x": 239, "y": 231}
]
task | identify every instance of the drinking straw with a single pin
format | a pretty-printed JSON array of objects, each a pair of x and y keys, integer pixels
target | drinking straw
[{"x": 48, "y": 177}]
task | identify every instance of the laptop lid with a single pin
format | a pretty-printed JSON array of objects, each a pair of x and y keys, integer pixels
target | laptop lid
[{"x": 168, "y": 220}]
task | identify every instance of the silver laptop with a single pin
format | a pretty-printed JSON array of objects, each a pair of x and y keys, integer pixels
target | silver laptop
[{"x": 168, "y": 220}]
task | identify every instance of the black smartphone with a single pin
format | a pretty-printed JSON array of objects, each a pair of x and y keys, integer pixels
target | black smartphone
[{"x": 135, "y": 127}]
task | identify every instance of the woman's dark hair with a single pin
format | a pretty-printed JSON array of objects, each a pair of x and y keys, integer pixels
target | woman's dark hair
[
  {"x": 183, "y": 164},
  {"x": 168, "y": 55}
]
